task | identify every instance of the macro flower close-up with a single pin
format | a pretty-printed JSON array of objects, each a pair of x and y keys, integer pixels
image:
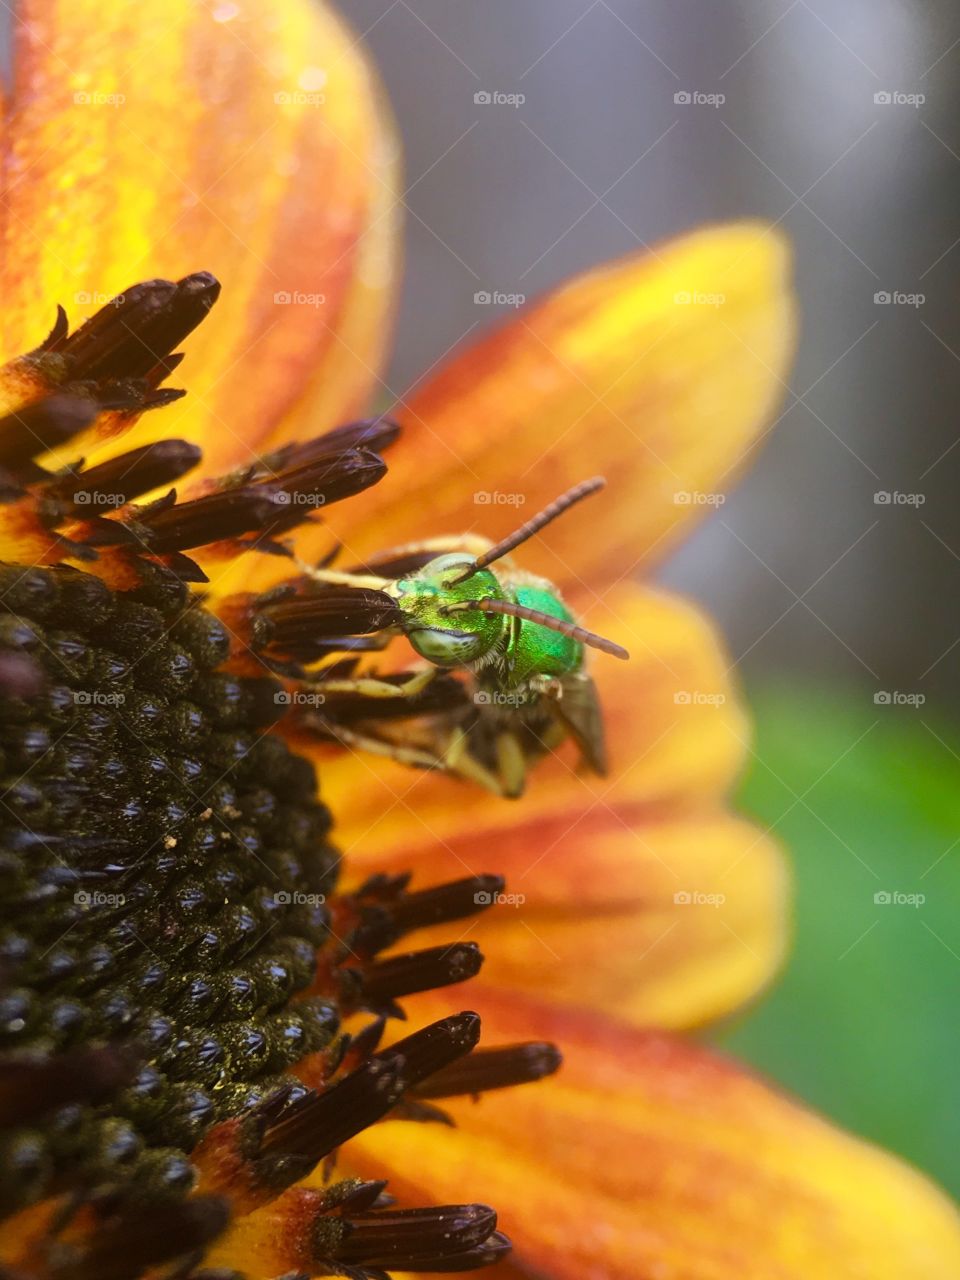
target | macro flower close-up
[{"x": 372, "y": 876}]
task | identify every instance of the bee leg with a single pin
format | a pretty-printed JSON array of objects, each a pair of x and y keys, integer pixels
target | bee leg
[
  {"x": 371, "y": 687},
  {"x": 511, "y": 765},
  {"x": 412, "y": 756},
  {"x": 457, "y": 760},
  {"x": 549, "y": 686},
  {"x": 454, "y": 758},
  {"x": 340, "y": 578}
]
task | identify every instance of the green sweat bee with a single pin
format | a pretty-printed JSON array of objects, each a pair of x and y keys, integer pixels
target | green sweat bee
[{"x": 507, "y": 631}]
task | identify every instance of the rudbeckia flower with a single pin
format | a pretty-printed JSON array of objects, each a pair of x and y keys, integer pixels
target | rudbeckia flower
[{"x": 203, "y": 894}]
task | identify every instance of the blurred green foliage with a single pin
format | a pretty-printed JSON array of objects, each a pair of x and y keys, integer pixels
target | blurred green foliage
[{"x": 864, "y": 1022}]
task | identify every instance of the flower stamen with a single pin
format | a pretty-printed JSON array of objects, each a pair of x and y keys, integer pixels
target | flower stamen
[{"x": 176, "y": 960}]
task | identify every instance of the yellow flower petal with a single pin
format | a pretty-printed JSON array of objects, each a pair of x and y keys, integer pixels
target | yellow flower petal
[
  {"x": 614, "y": 373},
  {"x": 666, "y": 921},
  {"x": 244, "y": 138},
  {"x": 651, "y": 1156},
  {"x": 603, "y": 864}
]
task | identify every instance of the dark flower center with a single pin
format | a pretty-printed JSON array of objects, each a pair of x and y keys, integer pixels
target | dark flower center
[
  {"x": 165, "y": 869},
  {"x": 175, "y": 958}
]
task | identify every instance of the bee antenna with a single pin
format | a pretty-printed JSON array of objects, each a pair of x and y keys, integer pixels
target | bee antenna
[
  {"x": 556, "y": 508},
  {"x": 514, "y": 610}
]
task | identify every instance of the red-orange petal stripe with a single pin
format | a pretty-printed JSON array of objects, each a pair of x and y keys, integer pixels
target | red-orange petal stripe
[
  {"x": 247, "y": 139},
  {"x": 659, "y": 371},
  {"x": 651, "y": 1156}
]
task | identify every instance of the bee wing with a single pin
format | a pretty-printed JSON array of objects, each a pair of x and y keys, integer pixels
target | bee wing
[
  {"x": 336, "y": 610},
  {"x": 306, "y": 627},
  {"x": 578, "y": 709}
]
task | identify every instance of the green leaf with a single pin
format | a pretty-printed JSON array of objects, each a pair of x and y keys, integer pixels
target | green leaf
[{"x": 864, "y": 1022}]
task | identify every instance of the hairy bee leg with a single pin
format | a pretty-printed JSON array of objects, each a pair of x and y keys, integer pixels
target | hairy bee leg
[
  {"x": 549, "y": 686},
  {"x": 511, "y": 765},
  {"x": 553, "y": 736},
  {"x": 371, "y": 687},
  {"x": 389, "y": 750},
  {"x": 456, "y": 759}
]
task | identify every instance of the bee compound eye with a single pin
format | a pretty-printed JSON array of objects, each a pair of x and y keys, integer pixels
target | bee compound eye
[{"x": 446, "y": 648}]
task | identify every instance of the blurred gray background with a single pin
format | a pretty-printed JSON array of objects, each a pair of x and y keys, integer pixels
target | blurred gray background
[{"x": 806, "y": 572}]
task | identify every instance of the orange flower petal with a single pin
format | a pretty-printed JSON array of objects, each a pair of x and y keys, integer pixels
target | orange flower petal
[
  {"x": 651, "y": 1156},
  {"x": 668, "y": 922},
  {"x": 599, "y": 861},
  {"x": 614, "y": 373},
  {"x": 244, "y": 138}
]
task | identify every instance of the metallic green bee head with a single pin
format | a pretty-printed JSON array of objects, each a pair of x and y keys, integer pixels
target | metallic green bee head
[{"x": 450, "y": 640}]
